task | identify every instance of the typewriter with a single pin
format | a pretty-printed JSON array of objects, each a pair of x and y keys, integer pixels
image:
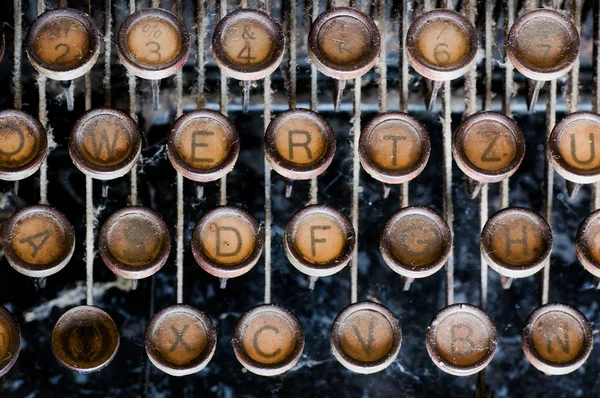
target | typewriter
[{"x": 270, "y": 198}]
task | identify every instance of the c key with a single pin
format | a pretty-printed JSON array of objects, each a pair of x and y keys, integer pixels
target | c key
[
  {"x": 461, "y": 339},
  {"x": 38, "y": 241},
  {"x": 268, "y": 340},
  {"x": 227, "y": 242},
  {"x": 366, "y": 337},
  {"x": 134, "y": 242},
  {"x": 319, "y": 240},
  {"x": 557, "y": 339},
  {"x": 180, "y": 340},
  {"x": 299, "y": 144}
]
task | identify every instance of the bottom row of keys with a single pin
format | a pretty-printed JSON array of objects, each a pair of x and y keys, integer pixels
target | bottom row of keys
[{"x": 268, "y": 340}]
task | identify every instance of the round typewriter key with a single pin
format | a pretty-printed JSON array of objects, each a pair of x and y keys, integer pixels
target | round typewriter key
[
  {"x": 134, "y": 242},
  {"x": 441, "y": 44},
  {"x": 572, "y": 147},
  {"x": 203, "y": 145},
  {"x": 153, "y": 43},
  {"x": 268, "y": 340},
  {"x": 343, "y": 43},
  {"x": 587, "y": 243},
  {"x": 461, "y": 339},
  {"x": 299, "y": 144},
  {"x": 227, "y": 242},
  {"x": 63, "y": 44},
  {"x": 366, "y": 337},
  {"x": 394, "y": 148},
  {"x": 319, "y": 240},
  {"x": 557, "y": 339},
  {"x": 85, "y": 339},
  {"x": 516, "y": 242},
  {"x": 23, "y": 145},
  {"x": 10, "y": 341},
  {"x": 38, "y": 241},
  {"x": 105, "y": 143},
  {"x": 248, "y": 44},
  {"x": 415, "y": 242},
  {"x": 543, "y": 44},
  {"x": 180, "y": 340},
  {"x": 488, "y": 147}
]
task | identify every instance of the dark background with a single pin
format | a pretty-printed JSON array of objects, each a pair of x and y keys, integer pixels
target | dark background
[{"x": 413, "y": 374}]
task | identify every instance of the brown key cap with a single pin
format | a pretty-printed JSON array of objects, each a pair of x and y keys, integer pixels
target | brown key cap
[
  {"x": 268, "y": 340},
  {"x": 105, "y": 143},
  {"x": 319, "y": 240},
  {"x": 38, "y": 241},
  {"x": 366, "y": 337},
  {"x": 461, "y": 339},
  {"x": 180, "y": 340},
  {"x": 557, "y": 339},
  {"x": 153, "y": 43},
  {"x": 23, "y": 145},
  {"x": 134, "y": 242},
  {"x": 10, "y": 341},
  {"x": 203, "y": 145},
  {"x": 63, "y": 44}
]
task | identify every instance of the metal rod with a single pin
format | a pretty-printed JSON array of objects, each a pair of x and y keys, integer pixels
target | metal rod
[
  {"x": 268, "y": 204},
  {"x": 447, "y": 185},
  {"x": 18, "y": 43},
  {"x": 595, "y": 202},
  {"x": 201, "y": 36},
  {"x": 509, "y": 19},
  {"x": 180, "y": 182},
  {"x": 489, "y": 57},
  {"x": 89, "y": 202},
  {"x": 404, "y": 78},
  {"x": 292, "y": 26},
  {"x": 132, "y": 86},
  {"x": 43, "y": 117},
  {"x": 382, "y": 59},
  {"x": 223, "y": 99},
  {"x": 107, "y": 51},
  {"x": 355, "y": 187}
]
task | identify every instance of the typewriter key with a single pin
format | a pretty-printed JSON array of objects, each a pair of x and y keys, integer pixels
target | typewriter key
[
  {"x": 366, "y": 337},
  {"x": 461, "y": 339},
  {"x": 587, "y": 243},
  {"x": 516, "y": 242},
  {"x": 441, "y": 44},
  {"x": 180, "y": 340},
  {"x": 105, "y": 143},
  {"x": 299, "y": 144},
  {"x": 572, "y": 147},
  {"x": 394, "y": 148},
  {"x": 38, "y": 241},
  {"x": 415, "y": 242},
  {"x": 268, "y": 340},
  {"x": 134, "y": 242},
  {"x": 227, "y": 242},
  {"x": 557, "y": 339},
  {"x": 319, "y": 240},
  {"x": 543, "y": 44},
  {"x": 85, "y": 339},
  {"x": 488, "y": 147},
  {"x": 203, "y": 145},
  {"x": 248, "y": 44},
  {"x": 10, "y": 341},
  {"x": 23, "y": 145},
  {"x": 63, "y": 44},
  {"x": 343, "y": 43},
  {"x": 153, "y": 43}
]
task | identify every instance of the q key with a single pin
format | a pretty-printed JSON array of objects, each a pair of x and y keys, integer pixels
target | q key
[{"x": 268, "y": 340}]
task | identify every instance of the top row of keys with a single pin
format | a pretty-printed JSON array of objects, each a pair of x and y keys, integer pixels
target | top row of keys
[{"x": 343, "y": 43}]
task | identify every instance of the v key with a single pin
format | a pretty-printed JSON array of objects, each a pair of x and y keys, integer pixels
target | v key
[{"x": 371, "y": 338}]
